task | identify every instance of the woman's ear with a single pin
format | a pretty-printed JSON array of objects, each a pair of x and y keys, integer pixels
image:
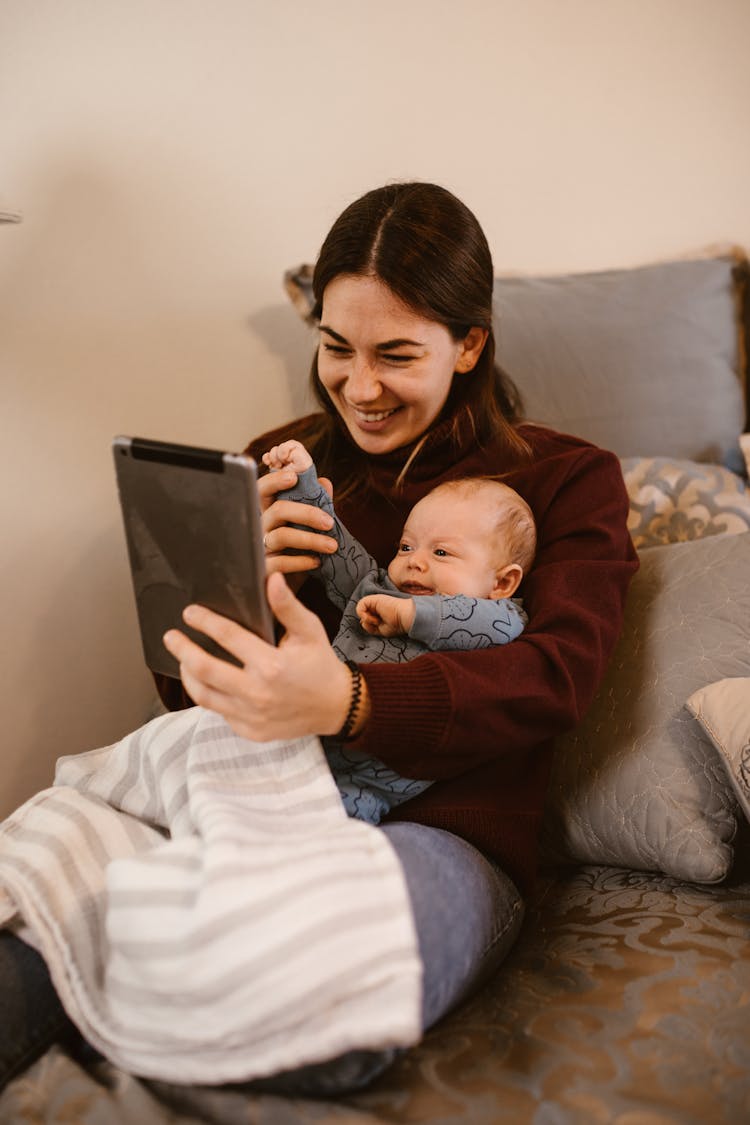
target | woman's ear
[
  {"x": 507, "y": 581},
  {"x": 471, "y": 348}
]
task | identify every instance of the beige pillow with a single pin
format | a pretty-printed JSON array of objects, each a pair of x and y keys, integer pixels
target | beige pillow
[{"x": 723, "y": 711}]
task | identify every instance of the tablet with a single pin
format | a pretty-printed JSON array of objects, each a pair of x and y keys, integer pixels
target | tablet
[{"x": 193, "y": 531}]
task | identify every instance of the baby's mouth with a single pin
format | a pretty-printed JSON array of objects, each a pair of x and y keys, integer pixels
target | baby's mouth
[{"x": 415, "y": 589}]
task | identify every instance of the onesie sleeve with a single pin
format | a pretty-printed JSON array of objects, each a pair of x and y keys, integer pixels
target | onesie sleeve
[
  {"x": 341, "y": 572},
  {"x": 457, "y": 622}
]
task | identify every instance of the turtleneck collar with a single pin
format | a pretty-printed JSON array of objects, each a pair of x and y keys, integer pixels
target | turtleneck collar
[
  {"x": 445, "y": 444},
  {"x": 436, "y": 441}
]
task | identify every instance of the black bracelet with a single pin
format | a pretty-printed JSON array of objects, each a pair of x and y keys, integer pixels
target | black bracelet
[{"x": 351, "y": 715}]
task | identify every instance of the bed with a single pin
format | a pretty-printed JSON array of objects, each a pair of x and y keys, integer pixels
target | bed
[{"x": 627, "y": 998}]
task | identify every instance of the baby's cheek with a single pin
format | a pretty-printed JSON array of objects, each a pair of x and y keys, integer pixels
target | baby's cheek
[{"x": 456, "y": 580}]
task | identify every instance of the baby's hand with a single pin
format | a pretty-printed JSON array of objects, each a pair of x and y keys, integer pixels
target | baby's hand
[
  {"x": 288, "y": 455},
  {"x": 386, "y": 616}
]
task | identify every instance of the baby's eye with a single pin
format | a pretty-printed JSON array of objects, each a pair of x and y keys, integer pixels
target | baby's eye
[
  {"x": 403, "y": 548},
  {"x": 441, "y": 552}
]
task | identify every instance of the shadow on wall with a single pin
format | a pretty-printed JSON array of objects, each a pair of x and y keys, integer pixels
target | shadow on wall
[
  {"x": 117, "y": 312},
  {"x": 84, "y": 245},
  {"x": 284, "y": 334},
  {"x": 79, "y": 658},
  {"x": 107, "y": 324}
]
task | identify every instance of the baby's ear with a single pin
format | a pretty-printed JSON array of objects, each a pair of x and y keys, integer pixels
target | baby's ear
[{"x": 507, "y": 581}]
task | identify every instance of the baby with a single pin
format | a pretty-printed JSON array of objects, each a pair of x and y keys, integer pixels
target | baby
[{"x": 463, "y": 552}]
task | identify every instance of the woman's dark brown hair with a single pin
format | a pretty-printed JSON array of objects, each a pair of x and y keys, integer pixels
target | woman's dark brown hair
[{"x": 429, "y": 249}]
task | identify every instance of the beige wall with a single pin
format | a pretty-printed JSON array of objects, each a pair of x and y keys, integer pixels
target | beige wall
[{"x": 172, "y": 157}]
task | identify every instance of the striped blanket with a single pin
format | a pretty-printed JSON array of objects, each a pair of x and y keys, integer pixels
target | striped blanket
[{"x": 207, "y": 910}]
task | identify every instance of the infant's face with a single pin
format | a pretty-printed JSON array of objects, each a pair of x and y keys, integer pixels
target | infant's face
[{"x": 448, "y": 546}]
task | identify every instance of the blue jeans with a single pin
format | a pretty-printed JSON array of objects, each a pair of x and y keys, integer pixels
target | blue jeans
[{"x": 467, "y": 915}]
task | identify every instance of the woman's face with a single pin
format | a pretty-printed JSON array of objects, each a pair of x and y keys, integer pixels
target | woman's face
[{"x": 387, "y": 370}]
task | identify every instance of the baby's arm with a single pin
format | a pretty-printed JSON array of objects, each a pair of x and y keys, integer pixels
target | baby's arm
[
  {"x": 443, "y": 621},
  {"x": 341, "y": 572},
  {"x": 385, "y": 615}
]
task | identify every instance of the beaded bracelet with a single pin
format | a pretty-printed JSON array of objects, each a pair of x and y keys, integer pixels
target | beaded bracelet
[{"x": 351, "y": 715}]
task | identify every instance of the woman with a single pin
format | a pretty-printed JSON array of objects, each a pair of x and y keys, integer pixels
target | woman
[{"x": 410, "y": 396}]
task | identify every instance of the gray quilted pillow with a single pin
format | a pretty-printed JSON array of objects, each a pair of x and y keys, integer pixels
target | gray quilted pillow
[
  {"x": 645, "y": 362},
  {"x": 638, "y": 784}
]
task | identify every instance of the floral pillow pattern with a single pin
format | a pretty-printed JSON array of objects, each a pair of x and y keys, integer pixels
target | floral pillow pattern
[{"x": 672, "y": 501}]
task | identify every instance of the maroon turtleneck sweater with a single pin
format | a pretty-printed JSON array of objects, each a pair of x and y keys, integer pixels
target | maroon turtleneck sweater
[{"x": 482, "y": 723}]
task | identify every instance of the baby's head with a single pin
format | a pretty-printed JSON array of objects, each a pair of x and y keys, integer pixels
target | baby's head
[{"x": 473, "y": 536}]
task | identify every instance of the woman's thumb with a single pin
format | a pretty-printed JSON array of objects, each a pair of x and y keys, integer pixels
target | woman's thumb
[{"x": 288, "y": 609}]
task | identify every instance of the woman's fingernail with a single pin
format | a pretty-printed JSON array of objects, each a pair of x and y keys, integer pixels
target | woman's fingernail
[{"x": 188, "y": 613}]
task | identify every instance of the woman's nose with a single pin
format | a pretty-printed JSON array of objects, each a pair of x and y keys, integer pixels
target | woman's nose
[{"x": 363, "y": 384}]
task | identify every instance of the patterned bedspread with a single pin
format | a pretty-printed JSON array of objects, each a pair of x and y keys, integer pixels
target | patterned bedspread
[{"x": 627, "y": 1000}]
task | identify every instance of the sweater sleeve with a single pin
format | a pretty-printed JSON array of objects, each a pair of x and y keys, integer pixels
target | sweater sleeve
[
  {"x": 447, "y": 712},
  {"x": 453, "y": 621}
]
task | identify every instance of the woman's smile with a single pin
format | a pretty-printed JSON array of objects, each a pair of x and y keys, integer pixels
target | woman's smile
[{"x": 371, "y": 418}]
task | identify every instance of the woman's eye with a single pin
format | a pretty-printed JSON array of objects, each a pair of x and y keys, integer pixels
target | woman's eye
[
  {"x": 336, "y": 350},
  {"x": 398, "y": 359}
]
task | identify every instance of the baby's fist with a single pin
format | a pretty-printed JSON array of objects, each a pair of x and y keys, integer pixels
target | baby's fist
[
  {"x": 386, "y": 616},
  {"x": 288, "y": 455}
]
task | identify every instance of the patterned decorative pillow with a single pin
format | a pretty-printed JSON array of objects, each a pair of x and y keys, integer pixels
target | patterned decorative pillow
[{"x": 672, "y": 501}]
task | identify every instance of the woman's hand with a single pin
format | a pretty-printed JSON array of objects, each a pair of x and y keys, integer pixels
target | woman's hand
[
  {"x": 277, "y": 515},
  {"x": 299, "y": 688}
]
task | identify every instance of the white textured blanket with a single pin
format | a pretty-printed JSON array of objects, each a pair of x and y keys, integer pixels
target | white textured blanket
[{"x": 207, "y": 910}]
